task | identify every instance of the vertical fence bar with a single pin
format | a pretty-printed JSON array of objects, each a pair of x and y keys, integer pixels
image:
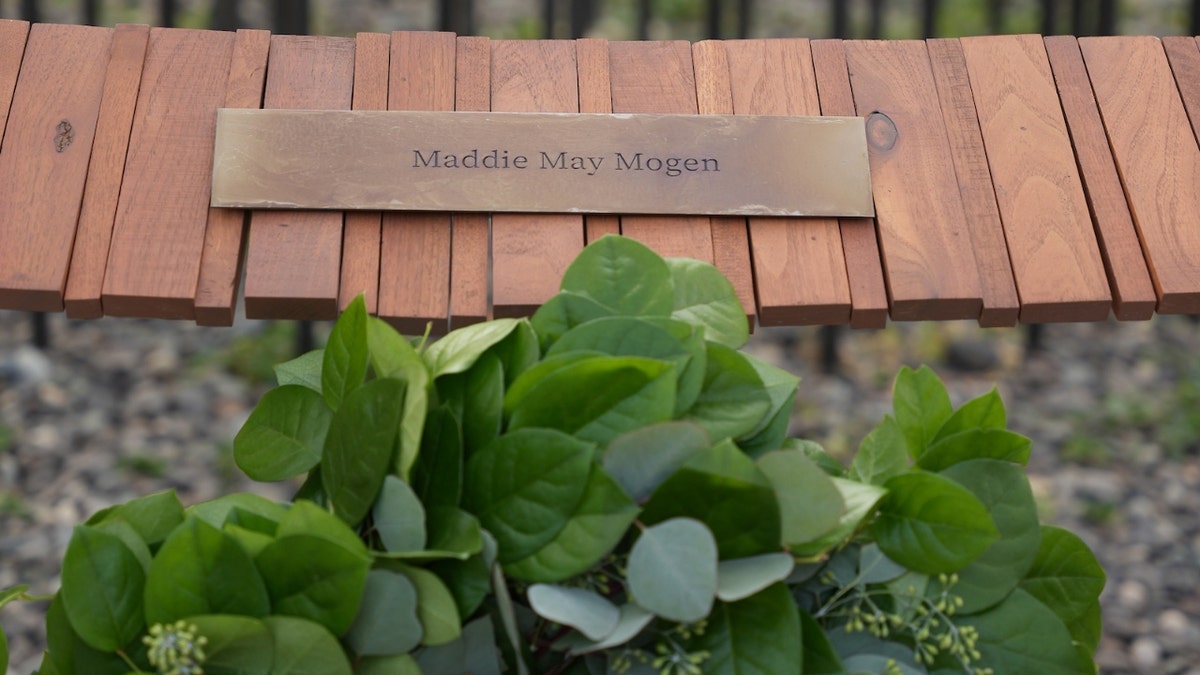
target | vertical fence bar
[
  {"x": 1077, "y": 18},
  {"x": 875, "y": 21},
  {"x": 839, "y": 12},
  {"x": 225, "y": 15},
  {"x": 1194, "y": 24},
  {"x": 745, "y": 9},
  {"x": 643, "y": 20},
  {"x": 91, "y": 12},
  {"x": 290, "y": 17},
  {"x": 30, "y": 11},
  {"x": 166, "y": 13},
  {"x": 1108, "y": 17},
  {"x": 929, "y": 14},
  {"x": 548, "y": 18},
  {"x": 1049, "y": 17},
  {"x": 714, "y": 19},
  {"x": 582, "y": 14},
  {"x": 996, "y": 11}
]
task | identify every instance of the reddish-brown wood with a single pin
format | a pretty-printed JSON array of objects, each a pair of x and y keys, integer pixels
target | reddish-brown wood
[
  {"x": 595, "y": 96},
  {"x": 926, "y": 247},
  {"x": 361, "y": 232},
  {"x": 864, "y": 271},
  {"x": 293, "y": 257},
  {"x": 469, "y": 272},
  {"x": 158, "y": 235},
  {"x": 1157, "y": 157},
  {"x": 414, "y": 266},
  {"x": 12, "y": 46},
  {"x": 658, "y": 77},
  {"x": 799, "y": 265},
  {"x": 1128, "y": 277},
  {"x": 85, "y": 281},
  {"x": 1183, "y": 54},
  {"x": 43, "y": 166},
  {"x": 731, "y": 241},
  {"x": 1000, "y": 303},
  {"x": 221, "y": 262},
  {"x": 530, "y": 252}
]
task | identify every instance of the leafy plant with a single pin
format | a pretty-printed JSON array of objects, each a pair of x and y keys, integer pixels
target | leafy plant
[{"x": 604, "y": 487}]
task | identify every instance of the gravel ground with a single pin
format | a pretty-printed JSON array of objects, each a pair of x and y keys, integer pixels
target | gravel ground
[{"x": 120, "y": 408}]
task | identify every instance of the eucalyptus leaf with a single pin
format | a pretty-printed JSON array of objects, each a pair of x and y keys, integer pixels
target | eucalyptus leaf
[
  {"x": 283, "y": 436},
  {"x": 704, "y": 297},
  {"x": 360, "y": 446},
  {"x": 881, "y": 455},
  {"x": 733, "y": 401},
  {"x": 1021, "y": 635},
  {"x": 862, "y": 652},
  {"x": 810, "y": 503},
  {"x": 102, "y": 585},
  {"x": 513, "y": 646},
  {"x": 921, "y": 405},
  {"x": 305, "y": 648},
  {"x": 526, "y": 485},
  {"x": 672, "y": 570},
  {"x": 394, "y": 358},
  {"x": 976, "y": 444},
  {"x": 640, "y": 460},
  {"x": 561, "y": 313},
  {"x": 473, "y": 652},
  {"x": 860, "y": 500},
  {"x": 875, "y": 568},
  {"x": 344, "y": 363},
  {"x": 623, "y": 275},
  {"x": 399, "y": 517},
  {"x": 1065, "y": 576},
  {"x": 387, "y": 620},
  {"x": 742, "y": 577},
  {"x": 581, "y": 609},
  {"x": 631, "y": 621},
  {"x": 236, "y": 645},
  {"x": 304, "y": 370},
  {"x": 436, "y": 608},
  {"x": 982, "y": 412},
  {"x": 756, "y": 635},
  {"x": 931, "y": 524},
  {"x": 313, "y": 578}
]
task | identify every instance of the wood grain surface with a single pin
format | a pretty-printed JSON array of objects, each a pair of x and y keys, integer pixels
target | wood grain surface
[
  {"x": 1000, "y": 303},
  {"x": 85, "y": 281},
  {"x": 221, "y": 261},
  {"x": 12, "y": 47},
  {"x": 469, "y": 272},
  {"x": 530, "y": 252},
  {"x": 928, "y": 261},
  {"x": 1157, "y": 157},
  {"x": 44, "y": 162},
  {"x": 595, "y": 96},
  {"x": 731, "y": 239},
  {"x": 799, "y": 264},
  {"x": 1128, "y": 277}
]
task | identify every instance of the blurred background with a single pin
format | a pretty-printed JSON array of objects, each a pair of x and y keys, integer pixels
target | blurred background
[{"x": 98, "y": 412}]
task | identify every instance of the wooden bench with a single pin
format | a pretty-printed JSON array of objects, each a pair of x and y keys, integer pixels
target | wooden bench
[{"x": 1015, "y": 178}]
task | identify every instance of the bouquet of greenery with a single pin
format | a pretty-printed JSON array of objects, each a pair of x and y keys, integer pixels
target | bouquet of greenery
[{"x": 606, "y": 487}]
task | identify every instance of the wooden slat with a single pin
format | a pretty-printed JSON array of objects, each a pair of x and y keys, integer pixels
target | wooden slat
[
  {"x": 469, "y": 272},
  {"x": 12, "y": 47},
  {"x": 85, "y": 281},
  {"x": 731, "y": 240},
  {"x": 221, "y": 262},
  {"x": 595, "y": 96},
  {"x": 1128, "y": 277},
  {"x": 293, "y": 257},
  {"x": 43, "y": 166},
  {"x": 799, "y": 265},
  {"x": 158, "y": 235},
  {"x": 1000, "y": 303},
  {"x": 1183, "y": 55},
  {"x": 658, "y": 77},
  {"x": 530, "y": 252},
  {"x": 1157, "y": 157},
  {"x": 414, "y": 268},
  {"x": 864, "y": 271},
  {"x": 928, "y": 261},
  {"x": 361, "y": 233},
  {"x": 1055, "y": 258}
]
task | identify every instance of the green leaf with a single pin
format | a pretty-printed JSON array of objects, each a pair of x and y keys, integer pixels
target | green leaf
[
  {"x": 631, "y": 621},
  {"x": 976, "y": 444},
  {"x": 881, "y": 455},
  {"x": 3, "y": 652},
  {"x": 359, "y": 447},
  {"x": 399, "y": 517},
  {"x": 672, "y": 570},
  {"x": 283, "y": 435},
  {"x": 469, "y": 581},
  {"x": 477, "y": 398},
  {"x": 780, "y": 386},
  {"x": 725, "y": 490},
  {"x": 202, "y": 570},
  {"x": 394, "y": 358},
  {"x": 459, "y": 349},
  {"x": 152, "y": 517},
  {"x": 402, "y": 664},
  {"x": 526, "y": 485},
  {"x": 1065, "y": 575},
  {"x": 563, "y": 312},
  {"x": 12, "y": 593},
  {"x": 454, "y": 530},
  {"x": 129, "y": 536},
  {"x": 1087, "y": 629},
  {"x": 862, "y": 652},
  {"x": 640, "y": 460},
  {"x": 518, "y": 351},
  {"x": 819, "y": 656},
  {"x": 597, "y": 526},
  {"x": 704, "y": 297},
  {"x": 237, "y": 645},
  {"x": 305, "y": 517},
  {"x": 345, "y": 360},
  {"x": 754, "y": 636},
  {"x": 743, "y": 577},
  {"x": 875, "y": 568},
  {"x": 931, "y": 524},
  {"x": 214, "y": 512},
  {"x": 473, "y": 652},
  {"x": 1004, "y": 491},
  {"x": 773, "y": 434},
  {"x": 387, "y": 621},
  {"x": 435, "y": 606},
  {"x": 304, "y": 370},
  {"x": 313, "y": 578},
  {"x": 1021, "y": 635},
  {"x": 102, "y": 584},
  {"x": 598, "y": 399},
  {"x": 513, "y": 645},
  {"x": 982, "y": 412},
  {"x": 810, "y": 503},
  {"x": 305, "y": 648},
  {"x": 733, "y": 401},
  {"x": 438, "y": 473},
  {"x": 860, "y": 501},
  {"x": 816, "y": 453},
  {"x": 67, "y": 653},
  {"x": 623, "y": 275},
  {"x": 921, "y": 405},
  {"x": 581, "y": 609}
]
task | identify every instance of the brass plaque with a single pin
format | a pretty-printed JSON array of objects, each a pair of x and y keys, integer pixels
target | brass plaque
[{"x": 542, "y": 162}]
